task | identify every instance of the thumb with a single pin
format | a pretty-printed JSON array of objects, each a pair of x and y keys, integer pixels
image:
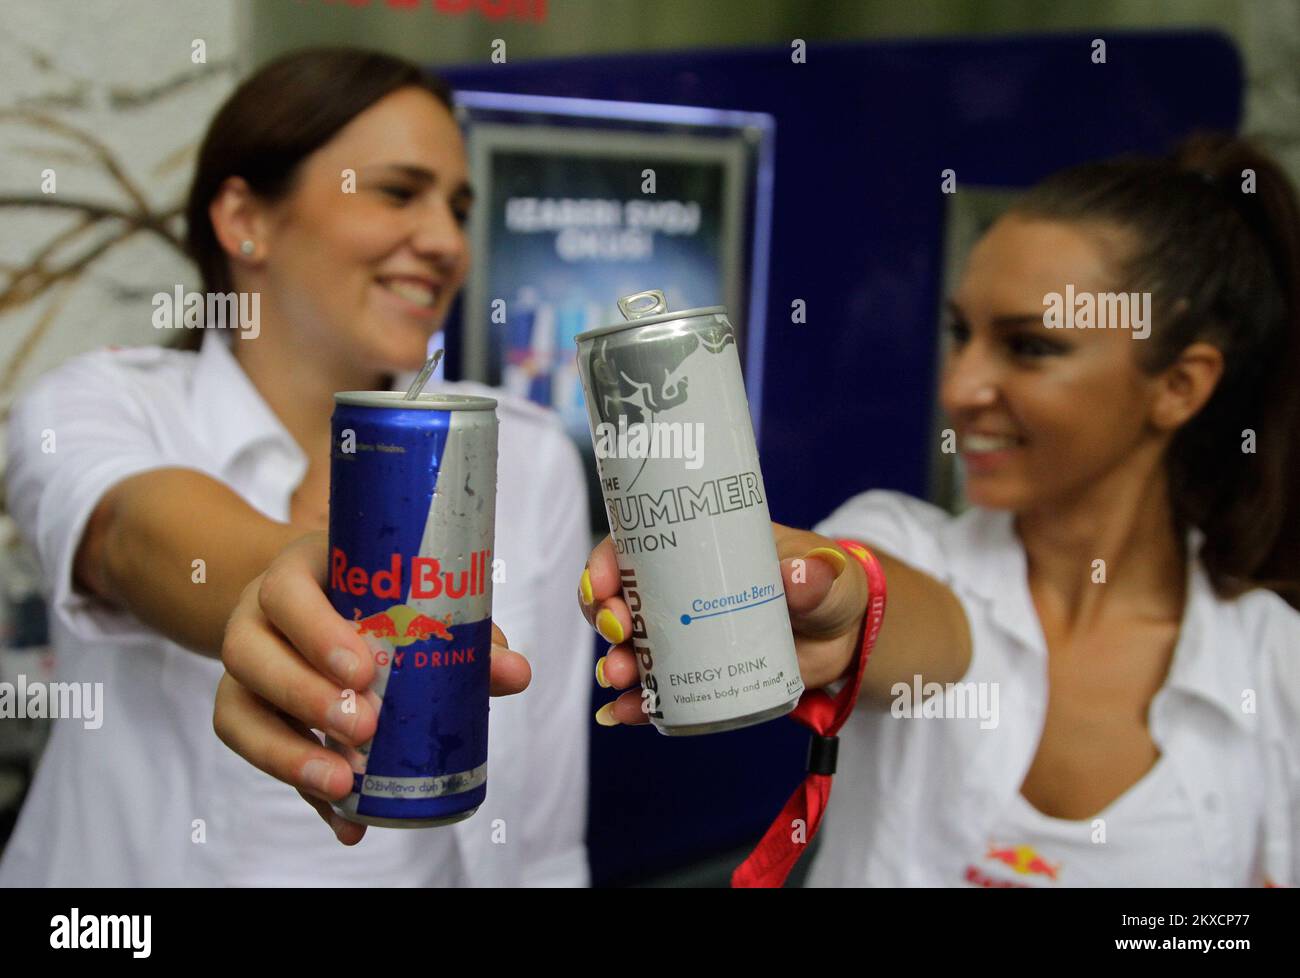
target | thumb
[{"x": 826, "y": 589}]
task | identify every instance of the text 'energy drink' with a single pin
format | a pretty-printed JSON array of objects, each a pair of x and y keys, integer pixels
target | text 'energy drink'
[
  {"x": 688, "y": 514},
  {"x": 412, "y": 504}
]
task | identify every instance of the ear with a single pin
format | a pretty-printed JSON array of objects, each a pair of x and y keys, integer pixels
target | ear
[
  {"x": 238, "y": 215},
  {"x": 1185, "y": 386}
]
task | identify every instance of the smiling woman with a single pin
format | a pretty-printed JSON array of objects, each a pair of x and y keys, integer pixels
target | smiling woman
[
  {"x": 1113, "y": 593},
  {"x": 301, "y": 196},
  {"x": 179, "y": 520},
  {"x": 1204, "y": 397}
]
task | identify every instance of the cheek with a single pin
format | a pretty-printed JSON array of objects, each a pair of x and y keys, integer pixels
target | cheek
[
  {"x": 354, "y": 233},
  {"x": 367, "y": 241},
  {"x": 1085, "y": 414}
]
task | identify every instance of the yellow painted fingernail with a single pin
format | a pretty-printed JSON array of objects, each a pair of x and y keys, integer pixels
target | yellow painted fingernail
[
  {"x": 607, "y": 624},
  {"x": 605, "y": 716},
  {"x": 831, "y": 556},
  {"x": 600, "y": 674},
  {"x": 584, "y": 587}
]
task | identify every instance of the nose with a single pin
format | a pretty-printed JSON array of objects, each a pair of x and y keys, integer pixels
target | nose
[
  {"x": 971, "y": 379},
  {"x": 439, "y": 236}
]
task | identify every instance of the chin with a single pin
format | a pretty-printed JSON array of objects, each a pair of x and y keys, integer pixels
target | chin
[
  {"x": 399, "y": 351},
  {"x": 413, "y": 362},
  {"x": 989, "y": 495}
]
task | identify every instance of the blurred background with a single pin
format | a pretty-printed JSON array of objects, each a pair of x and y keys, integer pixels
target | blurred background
[{"x": 820, "y": 169}]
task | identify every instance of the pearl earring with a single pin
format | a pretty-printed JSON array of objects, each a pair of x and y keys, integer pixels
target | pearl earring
[{"x": 247, "y": 247}]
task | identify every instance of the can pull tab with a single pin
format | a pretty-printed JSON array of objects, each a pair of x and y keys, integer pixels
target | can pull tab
[{"x": 642, "y": 304}]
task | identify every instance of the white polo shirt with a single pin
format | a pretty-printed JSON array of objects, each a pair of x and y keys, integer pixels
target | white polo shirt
[
  {"x": 153, "y": 798},
  {"x": 933, "y": 801}
]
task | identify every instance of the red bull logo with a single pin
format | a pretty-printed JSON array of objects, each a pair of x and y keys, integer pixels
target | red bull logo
[
  {"x": 425, "y": 574},
  {"x": 401, "y": 625},
  {"x": 1024, "y": 860},
  {"x": 422, "y": 626},
  {"x": 976, "y": 878},
  {"x": 382, "y": 625},
  {"x": 379, "y": 625}
]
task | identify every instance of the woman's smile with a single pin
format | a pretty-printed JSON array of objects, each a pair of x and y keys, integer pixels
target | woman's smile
[{"x": 410, "y": 295}]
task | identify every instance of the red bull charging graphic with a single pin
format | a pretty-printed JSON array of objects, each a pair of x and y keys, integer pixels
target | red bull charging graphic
[
  {"x": 1023, "y": 860},
  {"x": 412, "y": 510}
]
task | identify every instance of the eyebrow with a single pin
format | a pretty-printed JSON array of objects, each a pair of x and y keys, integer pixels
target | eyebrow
[
  {"x": 1000, "y": 322},
  {"x": 464, "y": 192}
]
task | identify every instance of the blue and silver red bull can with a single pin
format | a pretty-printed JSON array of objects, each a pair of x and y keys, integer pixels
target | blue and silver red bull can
[{"x": 412, "y": 505}]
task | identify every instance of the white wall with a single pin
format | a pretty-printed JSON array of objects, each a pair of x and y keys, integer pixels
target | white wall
[{"x": 122, "y": 76}]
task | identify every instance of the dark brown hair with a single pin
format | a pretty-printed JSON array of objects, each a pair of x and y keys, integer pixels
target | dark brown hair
[
  {"x": 1216, "y": 229},
  {"x": 274, "y": 120}
]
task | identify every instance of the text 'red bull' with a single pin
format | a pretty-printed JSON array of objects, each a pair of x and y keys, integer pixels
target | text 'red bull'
[{"x": 426, "y": 576}]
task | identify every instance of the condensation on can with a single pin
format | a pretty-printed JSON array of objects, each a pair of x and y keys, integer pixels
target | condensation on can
[{"x": 412, "y": 513}]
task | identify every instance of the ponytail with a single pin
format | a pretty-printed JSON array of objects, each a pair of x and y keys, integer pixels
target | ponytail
[{"x": 1217, "y": 228}]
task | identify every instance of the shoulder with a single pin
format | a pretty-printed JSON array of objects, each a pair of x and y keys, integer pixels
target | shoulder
[
  {"x": 111, "y": 382},
  {"x": 115, "y": 365},
  {"x": 887, "y": 506},
  {"x": 1271, "y": 629},
  {"x": 1266, "y": 614},
  {"x": 135, "y": 360},
  {"x": 1266, "y": 629},
  {"x": 1262, "y": 629}
]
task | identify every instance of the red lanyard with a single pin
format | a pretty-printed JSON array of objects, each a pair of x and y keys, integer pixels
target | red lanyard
[{"x": 785, "y": 841}]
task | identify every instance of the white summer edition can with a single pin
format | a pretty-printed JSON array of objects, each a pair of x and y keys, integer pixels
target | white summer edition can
[{"x": 688, "y": 514}]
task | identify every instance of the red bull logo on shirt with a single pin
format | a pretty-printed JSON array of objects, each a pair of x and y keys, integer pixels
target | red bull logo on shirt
[{"x": 1022, "y": 860}]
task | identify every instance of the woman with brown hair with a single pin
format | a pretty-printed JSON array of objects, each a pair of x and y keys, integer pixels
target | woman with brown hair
[
  {"x": 1089, "y": 678},
  {"x": 1129, "y": 706},
  {"x": 333, "y": 186}
]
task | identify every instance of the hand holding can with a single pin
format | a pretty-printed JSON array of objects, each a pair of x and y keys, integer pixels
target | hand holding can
[
  {"x": 826, "y": 597},
  {"x": 697, "y": 566},
  {"x": 412, "y": 515},
  {"x": 291, "y": 663}
]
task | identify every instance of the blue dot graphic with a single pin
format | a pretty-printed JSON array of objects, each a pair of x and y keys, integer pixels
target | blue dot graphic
[{"x": 686, "y": 619}]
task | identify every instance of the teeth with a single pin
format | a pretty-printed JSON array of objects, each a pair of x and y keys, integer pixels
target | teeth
[
  {"x": 419, "y": 294},
  {"x": 988, "y": 443}
]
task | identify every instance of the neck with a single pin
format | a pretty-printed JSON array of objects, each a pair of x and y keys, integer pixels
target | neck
[{"x": 1124, "y": 519}]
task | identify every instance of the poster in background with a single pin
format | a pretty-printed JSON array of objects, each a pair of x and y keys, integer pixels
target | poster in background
[{"x": 569, "y": 225}]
